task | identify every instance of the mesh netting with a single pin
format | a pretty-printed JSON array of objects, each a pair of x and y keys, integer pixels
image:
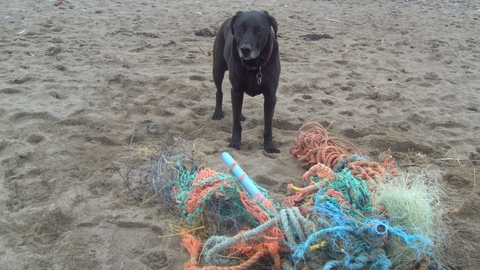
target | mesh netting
[{"x": 155, "y": 158}]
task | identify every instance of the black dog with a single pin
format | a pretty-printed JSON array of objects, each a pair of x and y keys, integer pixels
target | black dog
[{"x": 247, "y": 47}]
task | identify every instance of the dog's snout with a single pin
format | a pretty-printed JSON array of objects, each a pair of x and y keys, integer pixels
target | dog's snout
[{"x": 246, "y": 49}]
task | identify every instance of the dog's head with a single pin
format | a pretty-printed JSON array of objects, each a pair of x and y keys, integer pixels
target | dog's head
[{"x": 252, "y": 30}]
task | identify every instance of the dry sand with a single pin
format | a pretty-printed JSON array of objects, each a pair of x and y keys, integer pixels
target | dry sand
[{"x": 76, "y": 79}]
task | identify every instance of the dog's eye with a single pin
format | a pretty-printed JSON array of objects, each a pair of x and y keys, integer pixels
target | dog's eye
[
  {"x": 239, "y": 28},
  {"x": 260, "y": 30}
]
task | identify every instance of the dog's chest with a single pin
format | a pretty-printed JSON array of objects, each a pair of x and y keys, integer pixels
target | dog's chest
[
  {"x": 249, "y": 83},
  {"x": 252, "y": 87}
]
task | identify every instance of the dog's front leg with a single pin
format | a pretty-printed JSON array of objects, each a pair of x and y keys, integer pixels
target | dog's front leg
[
  {"x": 237, "y": 102},
  {"x": 218, "y": 75},
  {"x": 268, "y": 110}
]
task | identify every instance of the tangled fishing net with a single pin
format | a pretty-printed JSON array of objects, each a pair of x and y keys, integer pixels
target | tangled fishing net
[
  {"x": 155, "y": 158},
  {"x": 347, "y": 213}
]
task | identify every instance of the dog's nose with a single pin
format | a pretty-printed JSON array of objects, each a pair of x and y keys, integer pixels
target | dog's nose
[{"x": 246, "y": 50}]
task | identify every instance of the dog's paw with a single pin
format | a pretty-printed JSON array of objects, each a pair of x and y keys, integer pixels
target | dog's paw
[
  {"x": 217, "y": 115},
  {"x": 235, "y": 145},
  {"x": 270, "y": 147},
  {"x": 243, "y": 118},
  {"x": 235, "y": 142}
]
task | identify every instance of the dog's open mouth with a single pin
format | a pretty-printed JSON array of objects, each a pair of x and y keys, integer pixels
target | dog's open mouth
[
  {"x": 249, "y": 56},
  {"x": 244, "y": 57}
]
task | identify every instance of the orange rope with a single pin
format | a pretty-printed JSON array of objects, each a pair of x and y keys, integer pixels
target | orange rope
[
  {"x": 302, "y": 193},
  {"x": 262, "y": 242},
  {"x": 202, "y": 189},
  {"x": 290, "y": 201},
  {"x": 367, "y": 170},
  {"x": 314, "y": 146},
  {"x": 269, "y": 246},
  {"x": 244, "y": 265},
  {"x": 199, "y": 192},
  {"x": 252, "y": 208},
  {"x": 204, "y": 174},
  {"x": 322, "y": 171},
  {"x": 193, "y": 246},
  {"x": 259, "y": 214},
  {"x": 262, "y": 247},
  {"x": 389, "y": 164}
]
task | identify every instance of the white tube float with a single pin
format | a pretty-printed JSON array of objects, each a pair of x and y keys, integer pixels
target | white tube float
[
  {"x": 375, "y": 230},
  {"x": 242, "y": 177}
]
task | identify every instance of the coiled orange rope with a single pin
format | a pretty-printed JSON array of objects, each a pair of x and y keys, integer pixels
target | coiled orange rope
[
  {"x": 320, "y": 154},
  {"x": 314, "y": 146},
  {"x": 367, "y": 170}
]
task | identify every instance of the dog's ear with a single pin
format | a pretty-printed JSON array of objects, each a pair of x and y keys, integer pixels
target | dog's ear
[
  {"x": 232, "y": 22},
  {"x": 273, "y": 23}
]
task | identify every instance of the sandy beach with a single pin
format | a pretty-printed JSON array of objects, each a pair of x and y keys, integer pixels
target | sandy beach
[{"x": 78, "y": 77}]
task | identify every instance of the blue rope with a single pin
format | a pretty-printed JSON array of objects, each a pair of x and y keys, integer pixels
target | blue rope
[{"x": 420, "y": 243}]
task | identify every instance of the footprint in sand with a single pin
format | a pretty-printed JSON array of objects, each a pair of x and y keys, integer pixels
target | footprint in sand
[{"x": 35, "y": 138}]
